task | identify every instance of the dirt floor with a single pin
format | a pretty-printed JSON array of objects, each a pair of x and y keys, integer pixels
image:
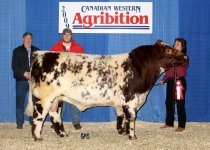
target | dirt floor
[{"x": 104, "y": 136}]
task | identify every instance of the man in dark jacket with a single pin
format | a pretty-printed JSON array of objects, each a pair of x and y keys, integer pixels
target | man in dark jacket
[{"x": 21, "y": 60}]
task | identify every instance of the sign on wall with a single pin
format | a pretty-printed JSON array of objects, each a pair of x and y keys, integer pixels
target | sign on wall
[{"x": 106, "y": 17}]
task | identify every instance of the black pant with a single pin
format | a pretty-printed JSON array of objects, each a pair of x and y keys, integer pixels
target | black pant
[{"x": 170, "y": 104}]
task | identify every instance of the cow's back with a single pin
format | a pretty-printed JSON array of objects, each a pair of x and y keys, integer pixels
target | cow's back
[{"x": 78, "y": 76}]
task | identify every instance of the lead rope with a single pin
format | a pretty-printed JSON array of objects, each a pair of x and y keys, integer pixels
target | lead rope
[{"x": 174, "y": 87}]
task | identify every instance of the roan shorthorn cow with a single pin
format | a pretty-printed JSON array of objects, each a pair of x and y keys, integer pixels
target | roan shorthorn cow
[{"x": 122, "y": 81}]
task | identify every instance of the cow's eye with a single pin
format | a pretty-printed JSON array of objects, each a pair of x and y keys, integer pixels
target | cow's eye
[{"x": 168, "y": 51}]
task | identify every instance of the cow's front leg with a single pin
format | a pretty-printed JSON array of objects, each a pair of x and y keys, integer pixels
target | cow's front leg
[
  {"x": 132, "y": 135},
  {"x": 55, "y": 117},
  {"x": 130, "y": 115},
  {"x": 120, "y": 124},
  {"x": 120, "y": 121}
]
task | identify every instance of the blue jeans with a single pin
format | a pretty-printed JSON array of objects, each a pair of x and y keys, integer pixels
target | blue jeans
[
  {"x": 74, "y": 112},
  {"x": 21, "y": 91}
]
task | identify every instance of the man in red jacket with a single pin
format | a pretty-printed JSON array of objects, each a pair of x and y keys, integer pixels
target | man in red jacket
[{"x": 67, "y": 44}]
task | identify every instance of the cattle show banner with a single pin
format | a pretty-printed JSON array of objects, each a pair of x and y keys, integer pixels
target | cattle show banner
[{"x": 106, "y": 17}]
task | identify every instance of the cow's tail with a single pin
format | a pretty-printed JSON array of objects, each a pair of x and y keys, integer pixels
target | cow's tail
[{"x": 30, "y": 107}]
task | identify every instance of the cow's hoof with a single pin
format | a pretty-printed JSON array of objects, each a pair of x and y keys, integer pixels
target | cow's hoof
[
  {"x": 38, "y": 139},
  {"x": 63, "y": 134},
  {"x": 132, "y": 138},
  {"x": 121, "y": 131}
]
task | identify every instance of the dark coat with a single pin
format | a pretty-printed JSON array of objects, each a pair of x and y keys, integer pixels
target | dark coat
[{"x": 20, "y": 62}]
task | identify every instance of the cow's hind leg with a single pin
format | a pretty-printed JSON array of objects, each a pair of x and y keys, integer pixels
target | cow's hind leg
[
  {"x": 130, "y": 115},
  {"x": 56, "y": 121},
  {"x": 39, "y": 115}
]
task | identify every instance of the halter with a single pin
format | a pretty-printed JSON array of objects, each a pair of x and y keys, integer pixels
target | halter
[{"x": 172, "y": 62}]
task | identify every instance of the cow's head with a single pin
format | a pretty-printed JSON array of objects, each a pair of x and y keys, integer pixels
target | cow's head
[{"x": 169, "y": 57}]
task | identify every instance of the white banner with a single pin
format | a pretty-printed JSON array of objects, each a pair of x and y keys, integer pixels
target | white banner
[{"x": 106, "y": 17}]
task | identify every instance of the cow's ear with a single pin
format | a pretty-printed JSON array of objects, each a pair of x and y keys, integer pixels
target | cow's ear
[{"x": 159, "y": 42}]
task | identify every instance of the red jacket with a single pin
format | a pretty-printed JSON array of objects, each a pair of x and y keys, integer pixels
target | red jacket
[{"x": 75, "y": 47}]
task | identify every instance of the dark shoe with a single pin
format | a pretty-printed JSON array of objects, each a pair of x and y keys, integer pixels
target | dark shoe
[
  {"x": 166, "y": 126},
  {"x": 51, "y": 126},
  {"x": 77, "y": 126},
  {"x": 19, "y": 126},
  {"x": 179, "y": 129}
]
